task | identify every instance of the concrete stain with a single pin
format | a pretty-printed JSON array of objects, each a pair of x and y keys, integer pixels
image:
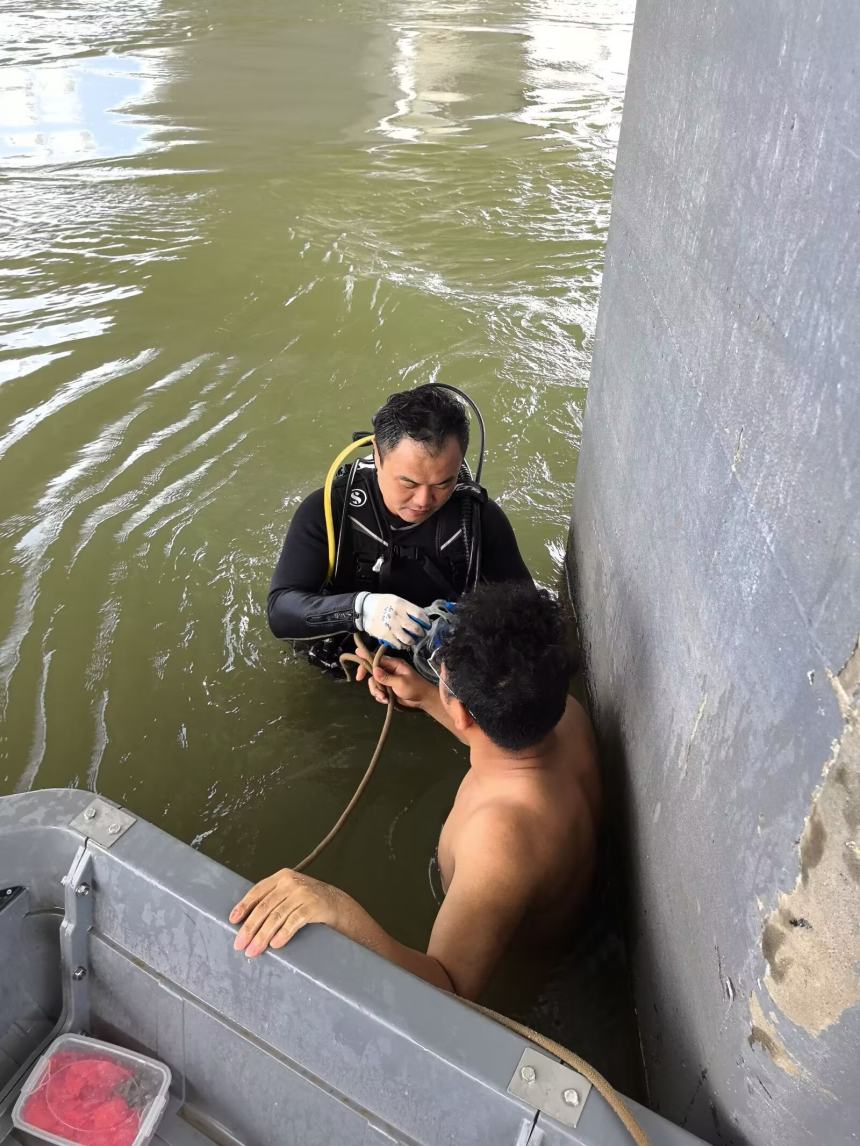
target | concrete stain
[
  {"x": 685, "y": 761},
  {"x": 812, "y": 843},
  {"x": 739, "y": 448},
  {"x": 763, "y": 1033},
  {"x": 811, "y": 940}
]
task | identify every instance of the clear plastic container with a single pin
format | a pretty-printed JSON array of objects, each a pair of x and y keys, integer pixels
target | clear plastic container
[{"x": 83, "y": 1092}]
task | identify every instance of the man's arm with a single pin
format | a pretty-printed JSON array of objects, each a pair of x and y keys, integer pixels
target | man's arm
[
  {"x": 277, "y": 907},
  {"x": 484, "y": 905},
  {"x": 296, "y": 607}
]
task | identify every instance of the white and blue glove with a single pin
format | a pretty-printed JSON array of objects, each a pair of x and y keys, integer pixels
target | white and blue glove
[{"x": 390, "y": 619}]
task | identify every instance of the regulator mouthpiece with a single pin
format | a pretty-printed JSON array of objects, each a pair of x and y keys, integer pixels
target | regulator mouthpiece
[{"x": 426, "y": 654}]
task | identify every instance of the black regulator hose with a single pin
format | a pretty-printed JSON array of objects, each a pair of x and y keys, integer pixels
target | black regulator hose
[{"x": 474, "y": 407}]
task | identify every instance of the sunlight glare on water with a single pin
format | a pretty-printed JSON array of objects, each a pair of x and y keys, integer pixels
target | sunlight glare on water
[{"x": 73, "y": 111}]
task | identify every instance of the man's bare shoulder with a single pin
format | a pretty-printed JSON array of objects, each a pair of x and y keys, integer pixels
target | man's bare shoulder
[
  {"x": 576, "y": 727},
  {"x": 535, "y": 846},
  {"x": 500, "y": 840},
  {"x": 574, "y": 756}
]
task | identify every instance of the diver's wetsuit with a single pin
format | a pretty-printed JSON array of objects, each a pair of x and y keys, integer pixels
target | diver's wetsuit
[{"x": 297, "y": 608}]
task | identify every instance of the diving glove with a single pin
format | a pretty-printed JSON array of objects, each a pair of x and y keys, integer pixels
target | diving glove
[{"x": 392, "y": 620}]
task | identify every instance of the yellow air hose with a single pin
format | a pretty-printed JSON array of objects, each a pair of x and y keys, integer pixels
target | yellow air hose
[{"x": 329, "y": 481}]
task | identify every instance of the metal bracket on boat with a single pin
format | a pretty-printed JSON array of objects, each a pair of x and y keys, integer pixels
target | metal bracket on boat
[
  {"x": 550, "y": 1086},
  {"x": 103, "y": 822},
  {"x": 530, "y": 1134},
  {"x": 74, "y": 942}
]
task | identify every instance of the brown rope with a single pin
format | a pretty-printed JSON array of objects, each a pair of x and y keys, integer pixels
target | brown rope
[{"x": 346, "y": 658}]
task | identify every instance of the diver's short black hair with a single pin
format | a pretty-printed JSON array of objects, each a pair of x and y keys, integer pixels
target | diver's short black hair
[
  {"x": 506, "y": 660},
  {"x": 428, "y": 414}
]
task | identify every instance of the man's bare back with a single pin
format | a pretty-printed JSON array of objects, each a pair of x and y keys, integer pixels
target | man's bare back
[{"x": 551, "y": 797}]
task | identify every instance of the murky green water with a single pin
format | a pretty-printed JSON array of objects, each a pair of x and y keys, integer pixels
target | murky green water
[{"x": 228, "y": 233}]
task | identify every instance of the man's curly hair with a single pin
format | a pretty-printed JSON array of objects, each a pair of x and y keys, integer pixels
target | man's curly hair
[{"x": 505, "y": 659}]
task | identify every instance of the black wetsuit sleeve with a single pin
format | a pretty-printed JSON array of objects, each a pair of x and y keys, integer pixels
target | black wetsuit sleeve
[
  {"x": 500, "y": 555},
  {"x": 296, "y": 607}
]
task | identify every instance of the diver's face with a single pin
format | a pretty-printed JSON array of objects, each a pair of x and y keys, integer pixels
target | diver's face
[{"x": 414, "y": 482}]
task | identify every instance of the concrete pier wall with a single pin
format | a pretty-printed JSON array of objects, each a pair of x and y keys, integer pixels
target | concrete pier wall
[{"x": 715, "y": 559}]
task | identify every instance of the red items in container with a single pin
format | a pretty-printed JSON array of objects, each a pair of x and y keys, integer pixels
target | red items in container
[
  {"x": 84, "y": 1092},
  {"x": 85, "y": 1098}
]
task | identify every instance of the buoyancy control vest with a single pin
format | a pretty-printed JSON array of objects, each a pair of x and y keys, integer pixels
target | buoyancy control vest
[{"x": 368, "y": 549}]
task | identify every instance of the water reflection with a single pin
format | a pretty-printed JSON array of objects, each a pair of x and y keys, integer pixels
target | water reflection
[
  {"x": 572, "y": 55},
  {"x": 65, "y": 112},
  {"x": 425, "y": 67},
  {"x": 576, "y": 65}
]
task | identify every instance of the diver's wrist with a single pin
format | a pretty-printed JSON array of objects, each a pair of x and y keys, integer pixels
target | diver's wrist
[{"x": 358, "y": 609}]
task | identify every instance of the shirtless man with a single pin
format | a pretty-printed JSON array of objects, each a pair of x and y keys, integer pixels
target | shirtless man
[{"x": 518, "y": 846}]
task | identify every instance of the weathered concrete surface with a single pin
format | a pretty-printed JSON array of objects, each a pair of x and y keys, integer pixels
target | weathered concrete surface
[{"x": 715, "y": 559}]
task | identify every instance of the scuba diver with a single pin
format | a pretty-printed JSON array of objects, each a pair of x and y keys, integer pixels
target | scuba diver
[{"x": 385, "y": 537}]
